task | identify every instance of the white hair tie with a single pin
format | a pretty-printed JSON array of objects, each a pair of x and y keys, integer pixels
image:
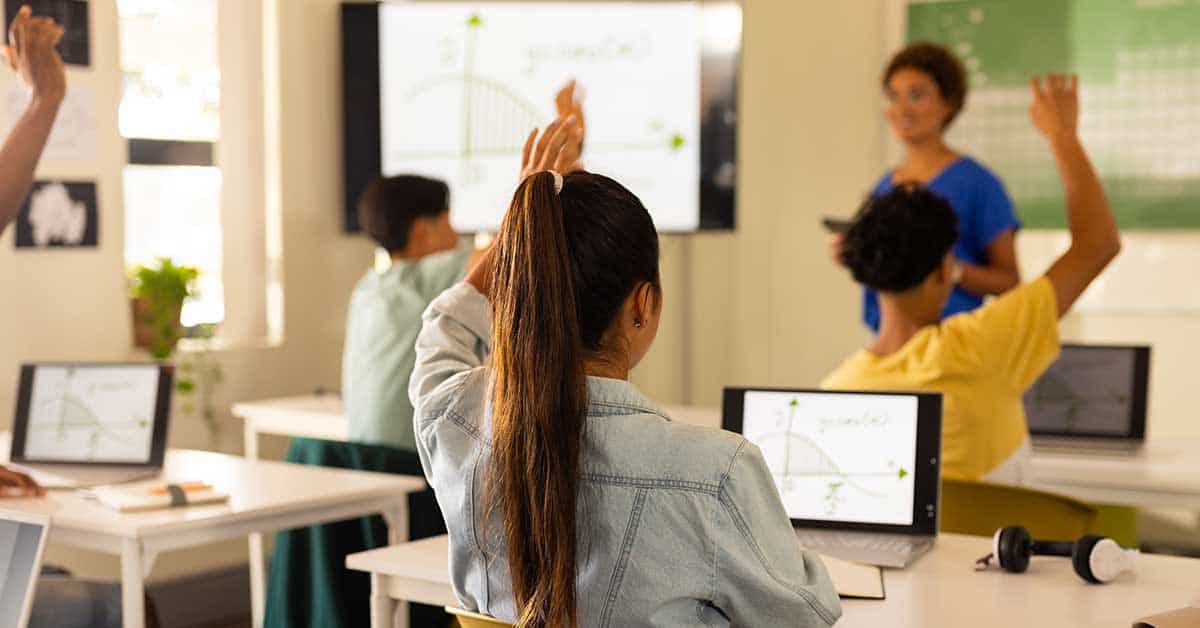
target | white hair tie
[{"x": 558, "y": 182}]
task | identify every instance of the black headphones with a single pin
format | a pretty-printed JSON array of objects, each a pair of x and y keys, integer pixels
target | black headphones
[{"x": 1096, "y": 559}]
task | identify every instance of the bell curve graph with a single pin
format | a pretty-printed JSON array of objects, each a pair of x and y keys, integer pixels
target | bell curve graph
[
  {"x": 462, "y": 87},
  {"x": 836, "y": 456},
  {"x": 496, "y": 119}
]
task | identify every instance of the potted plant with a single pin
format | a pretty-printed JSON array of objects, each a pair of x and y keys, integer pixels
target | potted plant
[{"x": 157, "y": 293}]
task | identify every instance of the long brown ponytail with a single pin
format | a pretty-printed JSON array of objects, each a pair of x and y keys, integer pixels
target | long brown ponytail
[
  {"x": 539, "y": 403},
  {"x": 562, "y": 266}
]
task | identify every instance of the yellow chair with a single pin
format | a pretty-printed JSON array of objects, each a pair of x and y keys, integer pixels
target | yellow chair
[
  {"x": 467, "y": 619},
  {"x": 980, "y": 509}
]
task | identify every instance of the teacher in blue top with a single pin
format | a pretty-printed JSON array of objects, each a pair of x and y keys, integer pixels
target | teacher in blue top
[{"x": 926, "y": 87}]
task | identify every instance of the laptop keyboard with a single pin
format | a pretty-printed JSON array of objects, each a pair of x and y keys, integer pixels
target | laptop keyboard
[{"x": 867, "y": 542}]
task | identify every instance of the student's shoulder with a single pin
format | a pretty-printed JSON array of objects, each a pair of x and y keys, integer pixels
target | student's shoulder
[
  {"x": 1001, "y": 318},
  {"x": 845, "y": 374},
  {"x": 653, "y": 449}
]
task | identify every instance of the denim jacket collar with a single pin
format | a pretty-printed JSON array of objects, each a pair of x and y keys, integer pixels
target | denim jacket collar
[{"x": 610, "y": 397}]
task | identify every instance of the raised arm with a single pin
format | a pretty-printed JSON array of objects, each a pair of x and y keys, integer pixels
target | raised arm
[
  {"x": 551, "y": 151},
  {"x": 1095, "y": 240},
  {"x": 32, "y": 56}
]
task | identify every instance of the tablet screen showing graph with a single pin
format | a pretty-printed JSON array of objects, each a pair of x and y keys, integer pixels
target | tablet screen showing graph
[
  {"x": 91, "y": 413},
  {"x": 838, "y": 457}
]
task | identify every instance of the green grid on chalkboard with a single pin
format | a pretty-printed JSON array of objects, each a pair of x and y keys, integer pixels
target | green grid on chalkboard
[{"x": 1139, "y": 68}]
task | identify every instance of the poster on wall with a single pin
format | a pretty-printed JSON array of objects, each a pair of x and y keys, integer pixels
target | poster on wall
[
  {"x": 59, "y": 214},
  {"x": 72, "y": 15},
  {"x": 73, "y": 137}
]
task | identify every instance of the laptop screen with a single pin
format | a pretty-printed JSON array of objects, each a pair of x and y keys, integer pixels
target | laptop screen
[
  {"x": 91, "y": 413},
  {"x": 1092, "y": 392},
  {"x": 846, "y": 459},
  {"x": 20, "y": 564}
]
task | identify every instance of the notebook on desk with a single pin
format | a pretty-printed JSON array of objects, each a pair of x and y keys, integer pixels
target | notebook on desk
[
  {"x": 858, "y": 472},
  {"x": 81, "y": 425},
  {"x": 1091, "y": 400}
]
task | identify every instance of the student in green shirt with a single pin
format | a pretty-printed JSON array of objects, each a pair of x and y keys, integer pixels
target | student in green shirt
[{"x": 409, "y": 216}]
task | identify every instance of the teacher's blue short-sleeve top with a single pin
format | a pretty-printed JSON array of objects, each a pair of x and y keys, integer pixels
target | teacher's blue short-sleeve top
[{"x": 984, "y": 211}]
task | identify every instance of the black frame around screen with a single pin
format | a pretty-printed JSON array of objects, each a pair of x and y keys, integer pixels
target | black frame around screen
[
  {"x": 926, "y": 465},
  {"x": 362, "y": 158},
  {"x": 162, "y": 412},
  {"x": 1139, "y": 393}
]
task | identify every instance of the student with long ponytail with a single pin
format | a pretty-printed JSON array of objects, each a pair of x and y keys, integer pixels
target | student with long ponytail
[{"x": 570, "y": 500}]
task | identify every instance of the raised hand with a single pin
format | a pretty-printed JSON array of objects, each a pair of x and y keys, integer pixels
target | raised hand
[
  {"x": 32, "y": 55},
  {"x": 569, "y": 102},
  {"x": 553, "y": 150},
  {"x": 1055, "y": 108}
]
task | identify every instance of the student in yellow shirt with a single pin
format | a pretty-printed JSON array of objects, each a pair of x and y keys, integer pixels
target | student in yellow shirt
[{"x": 983, "y": 361}]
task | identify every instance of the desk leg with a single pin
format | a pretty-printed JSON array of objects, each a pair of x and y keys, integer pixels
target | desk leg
[
  {"x": 397, "y": 520},
  {"x": 258, "y": 587},
  {"x": 133, "y": 589},
  {"x": 250, "y": 440},
  {"x": 384, "y": 610}
]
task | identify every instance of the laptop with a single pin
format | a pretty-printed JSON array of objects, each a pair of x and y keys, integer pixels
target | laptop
[
  {"x": 1091, "y": 400},
  {"x": 22, "y": 542},
  {"x": 859, "y": 473},
  {"x": 80, "y": 425}
]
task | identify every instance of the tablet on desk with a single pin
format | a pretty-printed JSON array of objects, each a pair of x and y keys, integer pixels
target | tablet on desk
[{"x": 1093, "y": 398}]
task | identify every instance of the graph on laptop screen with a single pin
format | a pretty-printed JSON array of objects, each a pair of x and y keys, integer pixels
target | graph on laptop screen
[
  {"x": 837, "y": 457},
  {"x": 92, "y": 413}
]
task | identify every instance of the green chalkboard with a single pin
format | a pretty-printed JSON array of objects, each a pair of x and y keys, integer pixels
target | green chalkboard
[{"x": 1139, "y": 68}]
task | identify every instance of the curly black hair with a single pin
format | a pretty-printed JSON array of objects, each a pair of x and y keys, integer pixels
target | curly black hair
[
  {"x": 390, "y": 205},
  {"x": 899, "y": 238},
  {"x": 941, "y": 65}
]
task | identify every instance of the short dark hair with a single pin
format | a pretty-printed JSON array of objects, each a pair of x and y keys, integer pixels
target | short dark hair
[
  {"x": 941, "y": 65},
  {"x": 897, "y": 239},
  {"x": 389, "y": 205}
]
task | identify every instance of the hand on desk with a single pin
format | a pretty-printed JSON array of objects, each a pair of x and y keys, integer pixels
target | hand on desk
[{"x": 16, "y": 484}]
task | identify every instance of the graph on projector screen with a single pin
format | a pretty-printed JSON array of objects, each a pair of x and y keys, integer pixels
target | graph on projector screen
[
  {"x": 837, "y": 457},
  {"x": 462, "y": 85},
  {"x": 103, "y": 414}
]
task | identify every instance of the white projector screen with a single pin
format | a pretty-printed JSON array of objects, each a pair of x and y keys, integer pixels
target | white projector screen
[
  {"x": 463, "y": 84},
  {"x": 451, "y": 90}
]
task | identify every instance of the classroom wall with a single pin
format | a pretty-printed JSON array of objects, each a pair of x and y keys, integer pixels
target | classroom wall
[{"x": 765, "y": 305}]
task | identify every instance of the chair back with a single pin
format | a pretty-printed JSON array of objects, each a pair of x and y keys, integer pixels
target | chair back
[
  {"x": 468, "y": 619},
  {"x": 980, "y": 508}
]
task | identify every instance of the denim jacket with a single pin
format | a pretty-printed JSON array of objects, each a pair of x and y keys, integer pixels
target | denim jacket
[{"x": 678, "y": 525}]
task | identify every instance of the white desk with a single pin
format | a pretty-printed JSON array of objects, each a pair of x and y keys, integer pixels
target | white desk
[
  {"x": 263, "y": 497},
  {"x": 941, "y": 589},
  {"x": 312, "y": 416},
  {"x": 1163, "y": 474}
]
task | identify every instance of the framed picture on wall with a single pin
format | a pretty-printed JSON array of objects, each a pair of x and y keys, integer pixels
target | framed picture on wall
[
  {"x": 59, "y": 214},
  {"x": 72, "y": 15}
]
